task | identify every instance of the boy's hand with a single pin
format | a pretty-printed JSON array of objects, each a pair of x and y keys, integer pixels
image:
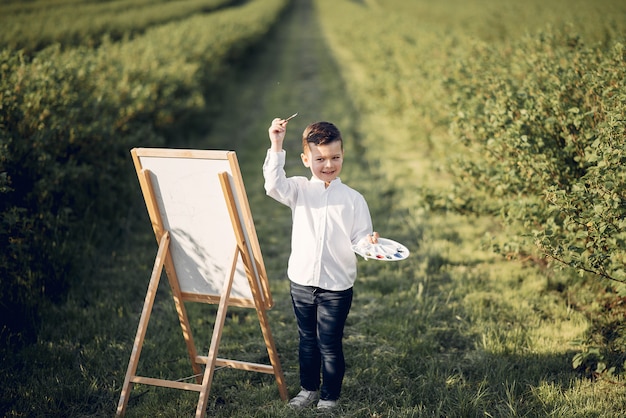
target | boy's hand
[
  {"x": 373, "y": 238},
  {"x": 277, "y": 131}
]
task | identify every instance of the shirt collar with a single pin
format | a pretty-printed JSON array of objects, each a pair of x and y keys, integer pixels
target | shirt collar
[{"x": 314, "y": 179}]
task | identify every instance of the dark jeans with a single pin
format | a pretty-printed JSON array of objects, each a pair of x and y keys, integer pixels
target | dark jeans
[{"x": 321, "y": 316}]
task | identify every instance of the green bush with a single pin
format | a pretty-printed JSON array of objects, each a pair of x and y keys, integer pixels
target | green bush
[
  {"x": 62, "y": 168},
  {"x": 31, "y": 26},
  {"x": 543, "y": 126}
]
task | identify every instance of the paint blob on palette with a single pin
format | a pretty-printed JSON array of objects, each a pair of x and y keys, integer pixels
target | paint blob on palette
[{"x": 384, "y": 250}]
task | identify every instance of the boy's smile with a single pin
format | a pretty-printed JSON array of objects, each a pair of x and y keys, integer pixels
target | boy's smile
[{"x": 325, "y": 161}]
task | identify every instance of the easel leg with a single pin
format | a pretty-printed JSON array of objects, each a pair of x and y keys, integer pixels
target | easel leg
[
  {"x": 220, "y": 318},
  {"x": 182, "y": 315},
  {"x": 251, "y": 273},
  {"x": 143, "y": 323},
  {"x": 273, "y": 354}
]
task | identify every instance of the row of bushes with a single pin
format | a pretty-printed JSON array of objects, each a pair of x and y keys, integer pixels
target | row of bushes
[
  {"x": 545, "y": 136},
  {"x": 33, "y": 26},
  {"x": 68, "y": 121}
]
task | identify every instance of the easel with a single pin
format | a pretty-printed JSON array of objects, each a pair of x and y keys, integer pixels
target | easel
[{"x": 245, "y": 251}]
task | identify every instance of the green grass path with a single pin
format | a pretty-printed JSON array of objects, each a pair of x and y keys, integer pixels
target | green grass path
[{"x": 293, "y": 72}]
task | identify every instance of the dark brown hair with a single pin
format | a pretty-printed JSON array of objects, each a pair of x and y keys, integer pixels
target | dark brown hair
[{"x": 320, "y": 133}]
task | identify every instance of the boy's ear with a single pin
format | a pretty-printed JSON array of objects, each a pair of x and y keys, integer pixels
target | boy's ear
[{"x": 305, "y": 160}]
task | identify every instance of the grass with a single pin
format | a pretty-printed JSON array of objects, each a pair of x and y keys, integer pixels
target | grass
[{"x": 453, "y": 331}]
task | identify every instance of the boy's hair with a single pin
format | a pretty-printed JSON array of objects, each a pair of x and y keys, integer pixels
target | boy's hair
[{"x": 320, "y": 133}]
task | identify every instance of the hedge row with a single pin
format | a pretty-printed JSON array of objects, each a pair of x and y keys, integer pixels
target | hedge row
[
  {"x": 544, "y": 128},
  {"x": 67, "y": 122},
  {"x": 33, "y": 26}
]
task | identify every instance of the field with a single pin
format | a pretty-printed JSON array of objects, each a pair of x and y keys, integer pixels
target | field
[{"x": 478, "y": 321}]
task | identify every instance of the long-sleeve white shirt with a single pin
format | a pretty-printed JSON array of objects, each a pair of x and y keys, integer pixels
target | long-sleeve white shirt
[{"x": 327, "y": 221}]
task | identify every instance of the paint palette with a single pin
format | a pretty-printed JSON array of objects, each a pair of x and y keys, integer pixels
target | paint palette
[{"x": 384, "y": 250}]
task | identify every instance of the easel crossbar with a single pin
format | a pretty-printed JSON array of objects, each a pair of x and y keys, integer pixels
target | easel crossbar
[
  {"x": 237, "y": 364},
  {"x": 166, "y": 383}
]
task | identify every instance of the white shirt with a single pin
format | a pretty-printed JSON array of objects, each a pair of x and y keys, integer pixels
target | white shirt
[{"x": 327, "y": 221}]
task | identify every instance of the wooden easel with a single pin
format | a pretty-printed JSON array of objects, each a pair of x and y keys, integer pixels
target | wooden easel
[{"x": 246, "y": 252}]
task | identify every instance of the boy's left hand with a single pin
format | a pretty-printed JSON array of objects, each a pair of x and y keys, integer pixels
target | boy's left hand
[{"x": 373, "y": 237}]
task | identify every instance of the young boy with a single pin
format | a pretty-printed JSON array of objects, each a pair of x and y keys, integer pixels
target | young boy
[{"x": 328, "y": 218}]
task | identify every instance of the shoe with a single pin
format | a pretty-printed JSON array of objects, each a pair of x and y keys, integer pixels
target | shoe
[
  {"x": 326, "y": 404},
  {"x": 303, "y": 399}
]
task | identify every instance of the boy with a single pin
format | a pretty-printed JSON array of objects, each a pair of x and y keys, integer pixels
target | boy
[{"x": 328, "y": 218}]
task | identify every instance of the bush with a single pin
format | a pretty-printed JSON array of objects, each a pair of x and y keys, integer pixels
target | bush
[
  {"x": 543, "y": 124},
  {"x": 32, "y": 26},
  {"x": 61, "y": 165}
]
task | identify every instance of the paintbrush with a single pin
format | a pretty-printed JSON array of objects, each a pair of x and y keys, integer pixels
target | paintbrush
[{"x": 291, "y": 117}]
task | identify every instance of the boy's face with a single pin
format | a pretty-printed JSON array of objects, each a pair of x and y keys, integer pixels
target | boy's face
[{"x": 325, "y": 161}]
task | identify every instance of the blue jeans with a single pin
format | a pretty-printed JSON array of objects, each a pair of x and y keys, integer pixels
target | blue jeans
[{"x": 321, "y": 316}]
